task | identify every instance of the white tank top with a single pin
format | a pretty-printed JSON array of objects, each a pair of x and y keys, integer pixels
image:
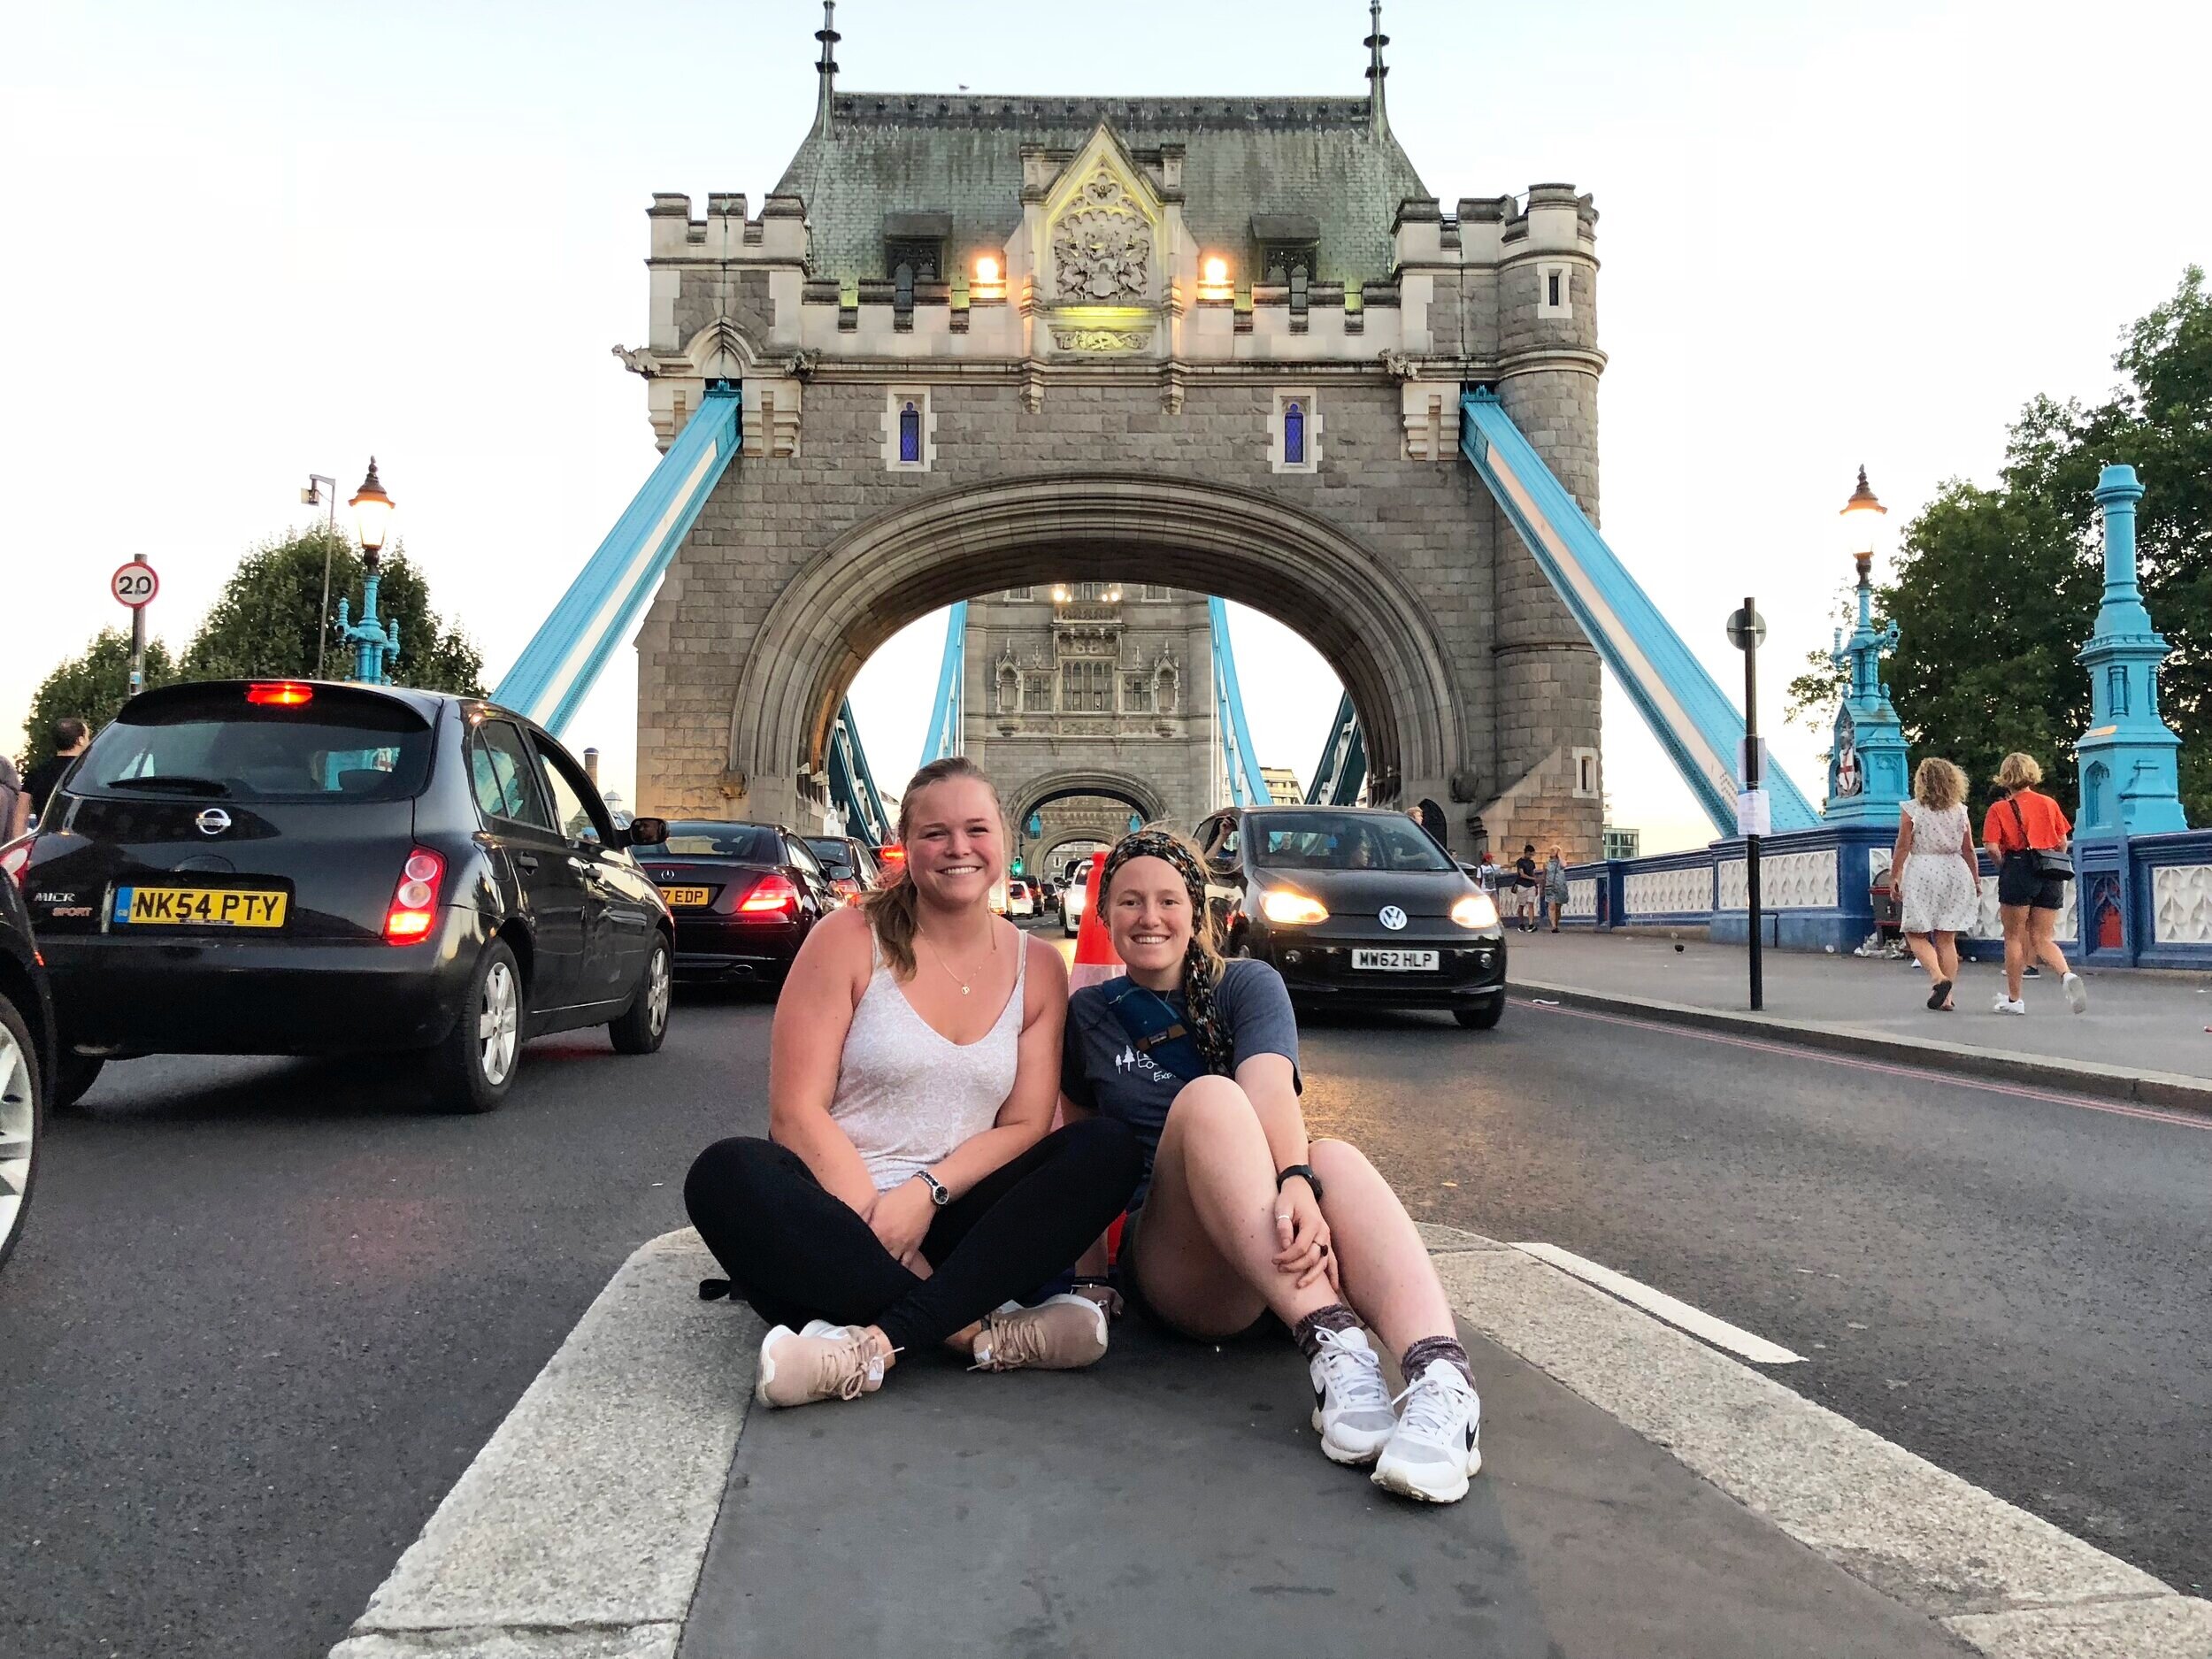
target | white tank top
[{"x": 907, "y": 1095}]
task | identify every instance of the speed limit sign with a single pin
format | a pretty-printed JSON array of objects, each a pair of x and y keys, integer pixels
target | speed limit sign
[{"x": 134, "y": 584}]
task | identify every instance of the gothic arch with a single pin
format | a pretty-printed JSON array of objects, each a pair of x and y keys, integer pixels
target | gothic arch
[
  {"x": 1372, "y": 628},
  {"x": 1066, "y": 786}
]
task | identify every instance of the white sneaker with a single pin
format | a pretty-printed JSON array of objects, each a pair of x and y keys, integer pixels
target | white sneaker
[
  {"x": 1438, "y": 1445},
  {"x": 2076, "y": 993},
  {"x": 1351, "y": 1402},
  {"x": 2009, "y": 1005}
]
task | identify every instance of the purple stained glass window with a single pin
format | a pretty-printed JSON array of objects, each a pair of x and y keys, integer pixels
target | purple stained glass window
[
  {"x": 909, "y": 433},
  {"x": 1294, "y": 434}
]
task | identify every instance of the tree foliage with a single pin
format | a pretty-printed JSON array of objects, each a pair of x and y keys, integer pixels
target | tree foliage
[
  {"x": 265, "y": 622},
  {"x": 91, "y": 686},
  {"x": 1996, "y": 587}
]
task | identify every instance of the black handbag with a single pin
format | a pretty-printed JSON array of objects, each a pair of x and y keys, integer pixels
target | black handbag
[{"x": 2051, "y": 863}]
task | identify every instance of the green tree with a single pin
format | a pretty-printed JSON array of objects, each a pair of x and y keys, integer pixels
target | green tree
[
  {"x": 91, "y": 686},
  {"x": 264, "y": 623}
]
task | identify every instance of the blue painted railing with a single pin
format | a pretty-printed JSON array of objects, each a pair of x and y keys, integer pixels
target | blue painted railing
[
  {"x": 950, "y": 704},
  {"x": 852, "y": 787},
  {"x": 1342, "y": 768},
  {"x": 1692, "y": 719},
  {"x": 556, "y": 669},
  {"x": 1247, "y": 787}
]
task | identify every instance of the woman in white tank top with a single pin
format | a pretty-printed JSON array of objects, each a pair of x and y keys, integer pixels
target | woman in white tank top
[{"x": 908, "y": 1190}]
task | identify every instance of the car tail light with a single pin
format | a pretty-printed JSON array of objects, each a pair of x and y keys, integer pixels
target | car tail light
[
  {"x": 15, "y": 858},
  {"x": 893, "y": 859},
  {"x": 848, "y": 889},
  {"x": 770, "y": 895},
  {"x": 282, "y": 694},
  {"x": 415, "y": 898}
]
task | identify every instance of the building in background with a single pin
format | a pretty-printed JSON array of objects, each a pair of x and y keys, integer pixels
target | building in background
[
  {"x": 1623, "y": 843},
  {"x": 1283, "y": 787}
]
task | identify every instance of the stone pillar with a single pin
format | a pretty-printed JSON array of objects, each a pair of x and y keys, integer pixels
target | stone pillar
[{"x": 2129, "y": 779}]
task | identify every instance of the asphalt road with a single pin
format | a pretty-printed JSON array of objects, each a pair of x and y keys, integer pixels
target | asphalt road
[{"x": 267, "y": 1312}]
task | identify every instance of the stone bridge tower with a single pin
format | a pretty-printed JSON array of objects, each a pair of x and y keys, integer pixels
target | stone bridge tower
[{"x": 1214, "y": 344}]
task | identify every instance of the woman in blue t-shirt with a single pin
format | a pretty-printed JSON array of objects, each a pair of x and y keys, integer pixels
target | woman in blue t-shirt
[{"x": 1239, "y": 1215}]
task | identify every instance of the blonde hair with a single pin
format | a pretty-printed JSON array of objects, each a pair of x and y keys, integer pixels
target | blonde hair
[
  {"x": 1201, "y": 916},
  {"x": 1937, "y": 784},
  {"x": 2018, "y": 772},
  {"x": 891, "y": 909}
]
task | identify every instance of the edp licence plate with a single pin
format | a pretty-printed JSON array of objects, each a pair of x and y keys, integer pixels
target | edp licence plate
[
  {"x": 1395, "y": 961},
  {"x": 685, "y": 895},
  {"x": 197, "y": 907}
]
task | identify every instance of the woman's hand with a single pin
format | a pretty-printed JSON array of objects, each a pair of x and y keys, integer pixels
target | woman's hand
[
  {"x": 901, "y": 1219},
  {"x": 1302, "y": 1234}
]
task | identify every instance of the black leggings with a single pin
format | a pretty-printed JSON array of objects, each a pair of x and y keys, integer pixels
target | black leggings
[{"x": 796, "y": 1252}]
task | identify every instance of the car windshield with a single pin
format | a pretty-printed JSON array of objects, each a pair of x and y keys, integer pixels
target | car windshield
[
  {"x": 1332, "y": 841},
  {"x": 210, "y": 743},
  {"x": 837, "y": 858},
  {"x": 751, "y": 843}
]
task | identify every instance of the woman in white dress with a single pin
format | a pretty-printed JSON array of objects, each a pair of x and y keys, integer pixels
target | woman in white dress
[{"x": 1937, "y": 874}]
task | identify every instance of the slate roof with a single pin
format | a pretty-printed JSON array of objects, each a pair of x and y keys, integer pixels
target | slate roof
[{"x": 959, "y": 155}]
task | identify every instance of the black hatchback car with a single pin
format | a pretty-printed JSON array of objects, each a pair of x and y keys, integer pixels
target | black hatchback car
[
  {"x": 745, "y": 897},
  {"x": 296, "y": 867},
  {"x": 27, "y": 1063},
  {"x": 1355, "y": 906}
]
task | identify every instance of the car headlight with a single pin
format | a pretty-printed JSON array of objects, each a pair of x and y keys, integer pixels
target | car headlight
[
  {"x": 1292, "y": 910},
  {"x": 1475, "y": 910}
]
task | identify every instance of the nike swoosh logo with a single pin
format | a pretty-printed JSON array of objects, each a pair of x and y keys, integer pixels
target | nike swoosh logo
[
  {"x": 1321, "y": 1396},
  {"x": 1470, "y": 1437}
]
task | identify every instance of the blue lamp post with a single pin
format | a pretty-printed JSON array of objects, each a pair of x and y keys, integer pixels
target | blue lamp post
[
  {"x": 2128, "y": 779},
  {"x": 1866, "y": 765},
  {"x": 374, "y": 643}
]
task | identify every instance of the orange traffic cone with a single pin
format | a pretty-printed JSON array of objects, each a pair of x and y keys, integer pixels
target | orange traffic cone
[{"x": 1095, "y": 957}]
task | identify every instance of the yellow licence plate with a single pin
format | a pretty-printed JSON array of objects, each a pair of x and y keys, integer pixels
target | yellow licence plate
[
  {"x": 198, "y": 907},
  {"x": 685, "y": 895}
]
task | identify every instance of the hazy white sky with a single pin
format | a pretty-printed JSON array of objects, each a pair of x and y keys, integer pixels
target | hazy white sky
[{"x": 247, "y": 242}]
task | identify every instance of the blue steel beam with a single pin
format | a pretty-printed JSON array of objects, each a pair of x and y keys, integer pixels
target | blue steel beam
[
  {"x": 853, "y": 786},
  {"x": 946, "y": 709},
  {"x": 1342, "y": 767},
  {"x": 556, "y": 669},
  {"x": 1246, "y": 786},
  {"x": 1691, "y": 715}
]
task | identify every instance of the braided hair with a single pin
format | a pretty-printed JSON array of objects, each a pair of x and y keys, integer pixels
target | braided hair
[{"x": 1202, "y": 965}]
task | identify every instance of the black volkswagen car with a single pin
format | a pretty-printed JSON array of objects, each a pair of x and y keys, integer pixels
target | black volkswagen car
[
  {"x": 27, "y": 1063},
  {"x": 1355, "y": 906},
  {"x": 297, "y": 867},
  {"x": 744, "y": 896}
]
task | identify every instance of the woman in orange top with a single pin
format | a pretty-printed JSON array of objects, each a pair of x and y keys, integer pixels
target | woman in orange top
[{"x": 2025, "y": 823}]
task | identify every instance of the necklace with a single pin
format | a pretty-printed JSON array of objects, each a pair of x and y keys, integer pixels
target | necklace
[{"x": 945, "y": 961}]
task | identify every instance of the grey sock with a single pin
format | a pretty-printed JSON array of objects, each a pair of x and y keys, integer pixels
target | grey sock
[
  {"x": 1335, "y": 1317},
  {"x": 1418, "y": 1357}
]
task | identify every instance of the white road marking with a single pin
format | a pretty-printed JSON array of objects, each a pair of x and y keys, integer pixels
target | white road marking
[{"x": 1698, "y": 1323}]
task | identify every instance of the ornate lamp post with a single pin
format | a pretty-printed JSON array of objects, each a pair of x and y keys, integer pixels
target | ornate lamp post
[
  {"x": 1866, "y": 767},
  {"x": 374, "y": 643},
  {"x": 2128, "y": 774}
]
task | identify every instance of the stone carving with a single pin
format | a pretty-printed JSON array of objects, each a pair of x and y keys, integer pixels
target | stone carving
[
  {"x": 1788, "y": 882},
  {"x": 1398, "y": 364},
  {"x": 1101, "y": 247},
  {"x": 1102, "y": 338},
  {"x": 803, "y": 363},
  {"x": 638, "y": 360},
  {"x": 1685, "y": 892},
  {"x": 2181, "y": 905},
  {"x": 1582, "y": 896}
]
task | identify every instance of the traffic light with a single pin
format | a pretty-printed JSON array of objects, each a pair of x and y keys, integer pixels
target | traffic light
[{"x": 1017, "y": 866}]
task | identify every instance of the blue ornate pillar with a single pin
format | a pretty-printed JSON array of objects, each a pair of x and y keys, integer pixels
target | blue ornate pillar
[
  {"x": 375, "y": 644},
  {"x": 1866, "y": 765},
  {"x": 2130, "y": 785}
]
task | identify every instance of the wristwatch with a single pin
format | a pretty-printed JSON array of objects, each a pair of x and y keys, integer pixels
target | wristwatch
[{"x": 939, "y": 1195}]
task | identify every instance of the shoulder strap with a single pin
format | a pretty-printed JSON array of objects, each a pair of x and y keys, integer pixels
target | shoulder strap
[
  {"x": 1155, "y": 1030},
  {"x": 2013, "y": 800}
]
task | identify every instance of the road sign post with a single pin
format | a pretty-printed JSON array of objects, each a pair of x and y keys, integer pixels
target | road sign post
[
  {"x": 135, "y": 584},
  {"x": 1745, "y": 628}
]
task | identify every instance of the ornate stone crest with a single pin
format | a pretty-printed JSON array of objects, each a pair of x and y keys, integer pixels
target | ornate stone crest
[
  {"x": 1102, "y": 338},
  {"x": 1101, "y": 247}
]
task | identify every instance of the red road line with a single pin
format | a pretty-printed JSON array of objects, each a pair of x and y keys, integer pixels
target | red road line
[{"x": 2116, "y": 1109}]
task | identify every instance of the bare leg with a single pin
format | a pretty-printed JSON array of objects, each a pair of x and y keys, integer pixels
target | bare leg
[
  {"x": 1206, "y": 1245},
  {"x": 1388, "y": 1278},
  {"x": 2042, "y": 945},
  {"x": 1946, "y": 948},
  {"x": 1924, "y": 952},
  {"x": 2015, "y": 920}
]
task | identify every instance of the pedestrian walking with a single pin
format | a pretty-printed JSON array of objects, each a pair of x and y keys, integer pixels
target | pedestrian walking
[
  {"x": 1524, "y": 887},
  {"x": 2026, "y": 833},
  {"x": 15, "y": 806},
  {"x": 1937, "y": 876},
  {"x": 1555, "y": 886},
  {"x": 71, "y": 735}
]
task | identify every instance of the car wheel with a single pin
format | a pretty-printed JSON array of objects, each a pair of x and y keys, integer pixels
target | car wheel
[
  {"x": 473, "y": 1068},
  {"x": 74, "y": 1074},
  {"x": 645, "y": 1022},
  {"x": 20, "y": 1119},
  {"x": 1483, "y": 1016}
]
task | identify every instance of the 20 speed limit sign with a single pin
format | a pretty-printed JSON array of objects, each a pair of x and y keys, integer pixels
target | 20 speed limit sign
[{"x": 135, "y": 584}]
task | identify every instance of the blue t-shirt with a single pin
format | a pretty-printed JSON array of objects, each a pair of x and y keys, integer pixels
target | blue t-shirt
[{"x": 1102, "y": 1071}]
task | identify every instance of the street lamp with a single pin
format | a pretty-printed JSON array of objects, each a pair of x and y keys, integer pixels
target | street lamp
[
  {"x": 1863, "y": 517},
  {"x": 313, "y": 496},
  {"x": 374, "y": 643},
  {"x": 1866, "y": 755}
]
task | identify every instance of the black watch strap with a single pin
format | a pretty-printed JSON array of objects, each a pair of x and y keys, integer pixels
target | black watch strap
[{"x": 1305, "y": 1172}]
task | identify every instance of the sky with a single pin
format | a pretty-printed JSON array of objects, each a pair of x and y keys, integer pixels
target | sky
[{"x": 244, "y": 243}]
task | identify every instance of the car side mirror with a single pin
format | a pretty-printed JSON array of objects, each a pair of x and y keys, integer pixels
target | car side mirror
[{"x": 646, "y": 832}]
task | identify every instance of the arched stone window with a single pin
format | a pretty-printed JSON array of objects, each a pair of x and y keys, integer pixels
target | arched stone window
[
  {"x": 1294, "y": 439},
  {"x": 909, "y": 430},
  {"x": 1293, "y": 433},
  {"x": 909, "y": 433}
]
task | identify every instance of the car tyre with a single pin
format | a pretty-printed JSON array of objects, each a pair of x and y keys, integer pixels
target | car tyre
[
  {"x": 74, "y": 1074},
  {"x": 21, "y": 1118},
  {"x": 474, "y": 1067},
  {"x": 1483, "y": 1016},
  {"x": 644, "y": 1024}
]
